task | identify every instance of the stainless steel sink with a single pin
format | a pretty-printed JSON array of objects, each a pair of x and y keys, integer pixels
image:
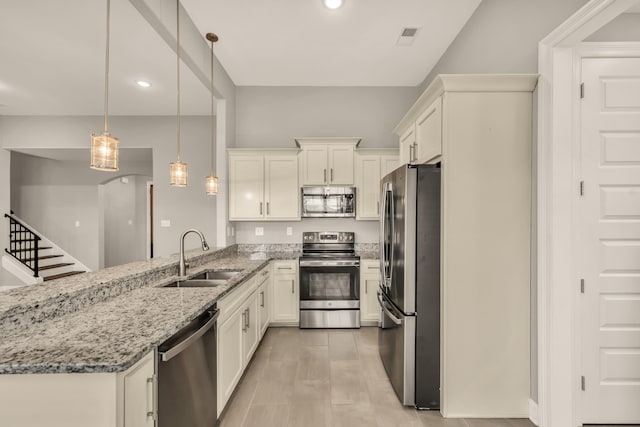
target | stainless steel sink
[
  {"x": 217, "y": 275},
  {"x": 197, "y": 283}
]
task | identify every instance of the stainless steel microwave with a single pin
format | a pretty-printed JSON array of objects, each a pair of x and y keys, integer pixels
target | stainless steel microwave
[{"x": 328, "y": 202}]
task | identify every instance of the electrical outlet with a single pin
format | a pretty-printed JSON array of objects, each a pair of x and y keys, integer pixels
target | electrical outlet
[
  {"x": 289, "y": 231},
  {"x": 259, "y": 231},
  {"x": 77, "y": 224},
  {"x": 165, "y": 223},
  {"x": 233, "y": 231}
]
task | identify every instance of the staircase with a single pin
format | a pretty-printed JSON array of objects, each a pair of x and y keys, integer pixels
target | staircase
[{"x": 33, "y": 258}]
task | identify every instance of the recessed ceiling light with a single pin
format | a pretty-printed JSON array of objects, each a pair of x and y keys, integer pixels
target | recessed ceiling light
[
  {"x": 333, "y": 4},
  {"x": 143, "y": 83}
]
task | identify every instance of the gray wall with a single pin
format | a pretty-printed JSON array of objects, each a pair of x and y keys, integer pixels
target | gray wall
[
  {"x": 624, "y": 28},
  {"x": 502, "y": 36},
  {"x": 271, "y": 117},
  {"x": 184, "y": 207},
  {"x": 125, "y": 220}
]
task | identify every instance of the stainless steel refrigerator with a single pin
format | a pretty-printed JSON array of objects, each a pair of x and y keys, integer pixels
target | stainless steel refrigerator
[{"x": 409, "y": 294}]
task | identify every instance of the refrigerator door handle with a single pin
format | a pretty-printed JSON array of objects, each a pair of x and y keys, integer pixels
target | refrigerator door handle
[
  {"x": 387, "y": 220},
  {"x": 388, "y": 312}
]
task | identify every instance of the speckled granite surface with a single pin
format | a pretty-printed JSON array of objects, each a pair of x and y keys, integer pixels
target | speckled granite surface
[{"x": 112, "y": 334}]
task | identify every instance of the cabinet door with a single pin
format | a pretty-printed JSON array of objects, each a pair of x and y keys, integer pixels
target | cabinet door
[
  {"x": 139, "y": 394},
  {"x": 314, "y": 165},
  {"x": 368, "y": 184},
  {"x": 407, "y": 144},
  {"x": 369, "y": 284},
  {"x": 246, "y": 196},
  {"x": 285, "y": 296},
  {"x": 340, "y": 165},
  {"x": 263, "y": 304},
  {"x": 230, "y": 355},
  {"x": 251, "y": 328},
  {"x": 429, "y": 133},
  {"x": 282, "y": 193},
  {"x": 388, "y": 164}
]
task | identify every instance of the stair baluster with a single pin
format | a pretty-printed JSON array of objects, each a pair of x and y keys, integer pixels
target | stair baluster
[{"x": 23, "y": 244}]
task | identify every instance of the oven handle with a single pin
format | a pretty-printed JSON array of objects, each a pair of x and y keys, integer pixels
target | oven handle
[
  {"x": 388, "y": 312},
  {"x": 178, "y": 348},
  {"x": 304, "y": 263}
]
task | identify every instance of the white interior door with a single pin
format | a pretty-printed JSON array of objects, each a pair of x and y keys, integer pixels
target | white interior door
[{"x": 610, "y": 240}]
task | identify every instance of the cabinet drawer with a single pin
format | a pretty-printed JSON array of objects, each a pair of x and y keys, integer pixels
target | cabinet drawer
[{"x": 285, "y": 267}]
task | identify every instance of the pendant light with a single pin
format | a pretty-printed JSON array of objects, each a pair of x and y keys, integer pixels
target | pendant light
[
  {"x": 178, "y": 169},
  {"x": 212, "y": 180},
  {"x": 104, "y": 146}
]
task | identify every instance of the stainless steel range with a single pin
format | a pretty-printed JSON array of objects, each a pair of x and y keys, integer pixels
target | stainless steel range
[{"x": 329, "y": 281}]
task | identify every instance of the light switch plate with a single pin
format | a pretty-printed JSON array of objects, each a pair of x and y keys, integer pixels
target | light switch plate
[
  {"x": 289, "y": 231},
  {"x": 165, "y": 223},
  {"x": 259, "y": 231},
  {"x": 77, "y": 224}
]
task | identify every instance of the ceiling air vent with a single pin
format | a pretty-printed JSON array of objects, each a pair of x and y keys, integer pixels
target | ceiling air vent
[{"x": 407, "y": 36}]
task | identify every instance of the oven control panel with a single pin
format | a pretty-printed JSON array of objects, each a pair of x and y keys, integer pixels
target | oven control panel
[{"x": 328, "y": 237}]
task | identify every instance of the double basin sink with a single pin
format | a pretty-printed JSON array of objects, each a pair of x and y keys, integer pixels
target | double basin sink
[{"x": 207, "y": 279}]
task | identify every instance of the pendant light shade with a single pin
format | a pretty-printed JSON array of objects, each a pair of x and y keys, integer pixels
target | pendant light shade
[
  {"x": 212, "y": 185},
  {"x": 178, "y": 169},
  {"x": 104, "y": 147},
  {"x": 104, "y": 152},
  {"x": 212, "y": 180},
  {"x": 178, "y": 174}
]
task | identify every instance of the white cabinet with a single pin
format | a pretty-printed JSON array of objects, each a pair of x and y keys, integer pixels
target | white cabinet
[
  {"x": 327, "y": 161},
  {"x": 250, "y": 328},
  {"x": 480, "y": 127},
  {"x": 285, "y": 293},
  {"x": 369, "y": 284},
  {"x": 230, "y": 355},
  {"x": 264, "y": 292},
  {"x": 407, "y": 144},
  {"x": 428, "y": 145},
  {"x": 371, "y": 166},
  {"x": 140, "y": 390},
  {"x": 123, "y": 399},
  {"x": 263, "y": 185}
]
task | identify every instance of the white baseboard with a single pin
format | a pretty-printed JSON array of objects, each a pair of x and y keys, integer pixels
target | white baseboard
[{"x": 533, "y": 412}]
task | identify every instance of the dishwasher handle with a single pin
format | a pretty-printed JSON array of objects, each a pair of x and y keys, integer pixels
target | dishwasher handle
[{"x": 172, "y": 352}]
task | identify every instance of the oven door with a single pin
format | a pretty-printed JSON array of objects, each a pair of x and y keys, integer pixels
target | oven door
[{"x": 329, "y": 284}]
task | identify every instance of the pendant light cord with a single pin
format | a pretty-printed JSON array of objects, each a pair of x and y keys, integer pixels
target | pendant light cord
[
  {"x": 106, "y": 71},
  {"x": 213, "y": 138},
  {"x": 178, "y": 73}
]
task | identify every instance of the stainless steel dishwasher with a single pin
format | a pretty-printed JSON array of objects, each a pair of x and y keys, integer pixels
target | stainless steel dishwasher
[{"x": 187, "y": 375}]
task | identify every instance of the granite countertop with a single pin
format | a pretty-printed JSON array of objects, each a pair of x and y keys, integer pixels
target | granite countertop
[{"x": 111, "y": 335}]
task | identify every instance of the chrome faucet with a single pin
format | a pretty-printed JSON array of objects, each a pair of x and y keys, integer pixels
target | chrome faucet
[{"x": 182, "y": 270}]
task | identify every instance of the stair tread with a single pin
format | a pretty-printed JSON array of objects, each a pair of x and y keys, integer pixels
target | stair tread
[
  {"x": 61, "y": 275},
  {"x": 49, "y": 267},
  {"x": 43, "y": 257},
  {"x": 40, "y": 248}
]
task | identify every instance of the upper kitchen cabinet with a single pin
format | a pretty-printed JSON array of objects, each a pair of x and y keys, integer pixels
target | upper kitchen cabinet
[
  {"x": 371, "y": 166},
  {"x": 327, "y": 161},
  {"x": 263, "y": 185}
]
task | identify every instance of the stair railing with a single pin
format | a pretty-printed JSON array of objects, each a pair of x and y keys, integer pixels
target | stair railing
[{"x": 23, "y": 244}]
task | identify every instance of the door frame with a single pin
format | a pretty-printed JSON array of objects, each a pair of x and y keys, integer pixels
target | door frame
[{"x": 558, "y": 153}]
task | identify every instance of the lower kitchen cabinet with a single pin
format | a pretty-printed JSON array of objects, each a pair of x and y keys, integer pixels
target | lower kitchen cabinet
[
  {"x": 250, "y": 328},
  {"x": 264, "y": 291},
  {"x": 123, "y": 399},
  {"x": 285, "y": 301},
  {"x": 230, "y": 356},
  {"x": 369, "y": 283}
]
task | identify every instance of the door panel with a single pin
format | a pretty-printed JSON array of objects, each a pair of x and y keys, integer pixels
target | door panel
[{"x": 610, "y": 240}]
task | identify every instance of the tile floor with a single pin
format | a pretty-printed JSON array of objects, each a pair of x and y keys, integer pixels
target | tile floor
[{"x": 327, "y": 378}]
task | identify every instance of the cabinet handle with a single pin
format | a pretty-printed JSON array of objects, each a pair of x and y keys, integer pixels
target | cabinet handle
[
  {"x": 366, "y": 286},
  {"x": 325, "y": 175},
  {"x": 248, "y": 319},
  {"x": 284, "y": 268},
  {"x": 378, "y": 207},
  {"x": 268, "y": 210},
  {"x": 244, "y": 321},
  {"x": 331, "y": 174},
  {"x": 411, "y": 149},
  {"x": 151, "y": 398},
  {"x": 262, "y": 299},
  {"x": 293, "y": 291},
  {"x": 260, "y": 208}
]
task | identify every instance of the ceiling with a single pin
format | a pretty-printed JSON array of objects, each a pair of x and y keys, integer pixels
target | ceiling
[{"x": 302, "y": 43}]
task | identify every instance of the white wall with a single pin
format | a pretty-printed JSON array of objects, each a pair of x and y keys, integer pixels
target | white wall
[
  {"x": 184, "y": 207},
  {"x": 125, "y": 220}
]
